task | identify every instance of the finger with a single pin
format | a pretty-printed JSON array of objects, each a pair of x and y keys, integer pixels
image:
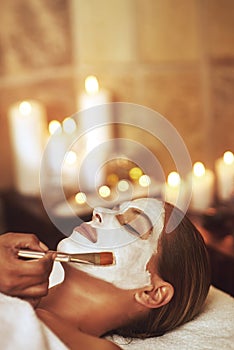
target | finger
[
  {"x": 26, "y": 274},
  {"x": 43, "y": 246},
  {"x": 47, "y": 261},
  {"x": 22, "y": 240},
  {"x": 16, "y": 285},
  {"x": 28, "y": 241},
  {"x": 19, "y": 284},
  {"x": 32, "y": 291},
  {"x": 37, "y": 291},
  {"x": 39, "y": 266}
]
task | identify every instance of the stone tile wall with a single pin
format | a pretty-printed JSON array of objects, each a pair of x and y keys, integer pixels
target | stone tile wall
[{"x": 174, "y": 56}]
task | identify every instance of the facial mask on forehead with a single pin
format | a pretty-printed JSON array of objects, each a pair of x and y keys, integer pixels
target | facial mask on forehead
[{"x": 131, "y": 253}]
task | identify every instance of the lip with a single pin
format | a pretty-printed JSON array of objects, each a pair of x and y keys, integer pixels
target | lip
[{"x": 87, "y": 231}]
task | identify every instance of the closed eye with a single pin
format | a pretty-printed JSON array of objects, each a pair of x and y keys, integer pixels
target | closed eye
[
  {"x": 135, "y": 222},
  {"x": 131, "y": 229}
]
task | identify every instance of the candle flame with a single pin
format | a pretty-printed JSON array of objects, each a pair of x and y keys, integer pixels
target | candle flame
[
  {"x": 135, "y": 173},
  {"x": 104, "y": 191},
  {"x": 25, "y": 108},
  {"x": 112, "y": 179},
  {"x": 144, "y": 181},
  {"x": 80, "y": 198},
  {"x": 55, "y": 127},
  {"x": 123, "y": 185},
  {"x": 173, "y": 179},
  {"x": 228, "y": 157},
  {"x": 71, "y": 157},
  {"x": 69, "y": 125},
  {"x": 199, "y": 169},
  {"x": 91, "y": 85}
]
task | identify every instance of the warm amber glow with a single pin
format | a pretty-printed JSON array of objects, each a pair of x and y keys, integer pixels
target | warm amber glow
[
  {"x": 123, "y": 185},
  {"x": 228, "y": 157},
  {"x": 173, "y": 179},
  {"x": 69, "y": 125},
  {"x": 91, "y": 85},
  {"x": 135, "y": 173},
  {"x": 199, "y": 169},
  {"x": 55, "y": 127},
  {"x": 112, "y": 179},
  {"x": 144, "y": 180},
  {"x": 71, "y": 157},
  {"x": 25, "y": 108},
  {"x": 80, "y": 198},
  {"x": 104, "y": 191}
]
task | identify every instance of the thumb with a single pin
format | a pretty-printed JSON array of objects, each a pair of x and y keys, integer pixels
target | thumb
[{"x": 49, "y": 258}]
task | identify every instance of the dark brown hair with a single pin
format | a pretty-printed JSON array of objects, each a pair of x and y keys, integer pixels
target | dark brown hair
[{"x": 181, "y": 260}]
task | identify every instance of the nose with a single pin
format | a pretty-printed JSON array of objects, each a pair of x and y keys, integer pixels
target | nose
[
  {"x": 98, "y": 217},
  {"x": 105, "y": 217}
]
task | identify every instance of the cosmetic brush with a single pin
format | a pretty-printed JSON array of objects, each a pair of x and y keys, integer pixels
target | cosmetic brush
[{"x": 99, "y": 258}]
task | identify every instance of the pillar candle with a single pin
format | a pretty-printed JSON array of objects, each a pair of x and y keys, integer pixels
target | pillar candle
[
  {"x": 93, "y": 95},
  {"x": 56, "y": 148},
  {"x": 70, "y": 170},
  {"x": 93, "y": 119},
  {"x": 225, "y": 176},
  {"x": 202, "y": 187},
  {"x": 96, "y": 123},
  {"x": 174, "y": 190},
  {"x": 27, "y": 123}
]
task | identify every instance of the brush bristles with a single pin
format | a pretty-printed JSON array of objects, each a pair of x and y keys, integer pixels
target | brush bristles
[
  {"x": 101, "y": 258},
  {"x": 106, "y": 258}
]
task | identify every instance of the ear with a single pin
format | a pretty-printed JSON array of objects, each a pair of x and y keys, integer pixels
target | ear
[{"x": 155, "y": 296}]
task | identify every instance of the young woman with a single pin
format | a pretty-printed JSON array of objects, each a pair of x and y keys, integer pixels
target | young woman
[{"x": 160, "y": 278}]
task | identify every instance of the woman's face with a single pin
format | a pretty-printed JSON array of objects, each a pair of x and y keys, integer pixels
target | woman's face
[{"x": 130, "y": 231}]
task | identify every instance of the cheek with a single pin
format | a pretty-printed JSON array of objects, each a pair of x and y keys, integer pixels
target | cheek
[
  {"x": 133, "y": 255},
  {"x": 131, "y": 262}
]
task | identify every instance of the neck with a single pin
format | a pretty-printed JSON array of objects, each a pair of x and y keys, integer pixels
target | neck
[{"x": 91, "y": 305}]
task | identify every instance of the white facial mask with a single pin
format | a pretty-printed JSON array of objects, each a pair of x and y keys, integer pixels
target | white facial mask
[{"x": 131, "y": 252}]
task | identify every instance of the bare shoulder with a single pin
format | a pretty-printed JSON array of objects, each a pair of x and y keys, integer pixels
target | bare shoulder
[{"x": 72, "y": 337}]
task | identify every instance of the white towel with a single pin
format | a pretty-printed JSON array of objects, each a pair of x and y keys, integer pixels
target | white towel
[
  {"x": 20, "y": 329},
  {"x": 212, "y": 329}
]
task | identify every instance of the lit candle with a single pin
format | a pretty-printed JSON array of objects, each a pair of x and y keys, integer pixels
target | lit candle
[
  {"x": 93, "y": 95},
  {"x": 104, "y": 191},
  {"x": 97, "y": 131},
  {"x": 70, "y": 170},
  {"x": 80, "y": 198},
  {"x": 96, "y": 125},
  {"x": 172, "y": 188},
  {"x": 27, "y": 121},
  {"x": 202, "y": 187},
  {"x": 69, "y": 126},
  {"x": 56, "y": 148},
  {"x": 135, "y": 173},
  {"x": 144, "y": 181},
  {"x": 225, "y": 175},
  {"x": 123, "y": 185}
]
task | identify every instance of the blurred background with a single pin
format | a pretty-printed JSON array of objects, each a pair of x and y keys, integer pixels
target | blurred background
[{"x": 175, "y": 57}]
